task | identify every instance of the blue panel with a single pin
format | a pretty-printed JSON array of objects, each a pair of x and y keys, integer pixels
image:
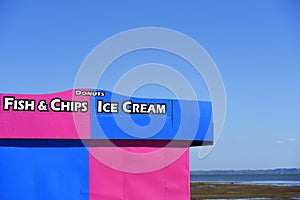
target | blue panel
[
  {"x": 17, "y": 173},
  {"x": 204, "y": 124},
  {"x": 194, "y": 124},
  {"x": 44, "y": 173}
]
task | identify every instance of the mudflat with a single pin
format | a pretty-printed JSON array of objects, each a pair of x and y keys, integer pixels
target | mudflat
[{"x": 205, "y": 190}]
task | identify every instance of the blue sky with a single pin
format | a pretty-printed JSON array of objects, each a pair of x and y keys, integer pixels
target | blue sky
[{"x": 255, "y": 44}]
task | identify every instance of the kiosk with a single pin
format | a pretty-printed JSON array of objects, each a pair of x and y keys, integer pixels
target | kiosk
[{"x": 90, "y": 144}]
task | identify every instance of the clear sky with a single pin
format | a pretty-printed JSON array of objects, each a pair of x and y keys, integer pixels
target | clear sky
[{"x": 255, "y": 44}]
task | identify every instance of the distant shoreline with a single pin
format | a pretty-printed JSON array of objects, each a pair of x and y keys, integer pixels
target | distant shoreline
[
  {"x": 248, "y": 171},
  {"x": 277, "y": 177},
  {"x": 211, "y": 190},
  {"x": 274, "y": 183}
]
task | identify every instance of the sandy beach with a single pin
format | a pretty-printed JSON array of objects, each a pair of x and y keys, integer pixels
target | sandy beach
[{"x": 204, "y": 190}]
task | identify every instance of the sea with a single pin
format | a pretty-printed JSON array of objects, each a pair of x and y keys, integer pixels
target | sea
[{"x": 264, "y": 179}]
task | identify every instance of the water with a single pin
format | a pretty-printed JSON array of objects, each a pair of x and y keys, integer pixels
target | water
[{"x": 266, "y": 179}]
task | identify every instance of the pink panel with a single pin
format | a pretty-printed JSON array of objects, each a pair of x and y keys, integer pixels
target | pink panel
[
  {"x": 178, "y": 178},
  {"x": 37, "y": 124},
  {"x": 168, "y": 183},
  {"x": 105, "y": 183}
]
